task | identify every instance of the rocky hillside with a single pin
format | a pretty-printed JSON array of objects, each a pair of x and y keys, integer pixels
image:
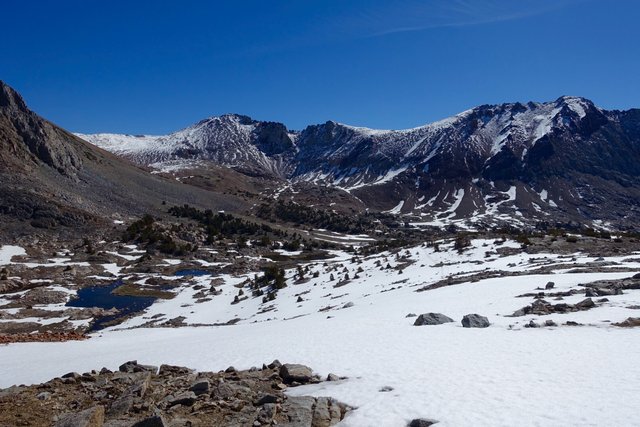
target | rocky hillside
[
  {"x": 559, "y": 161},
  {"x": 51, "y": 177}
]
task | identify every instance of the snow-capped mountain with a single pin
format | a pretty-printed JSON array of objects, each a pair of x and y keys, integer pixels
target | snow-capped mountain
[
  {"x": 230, "y": 140},
  {"x": 561, "y": 159}
]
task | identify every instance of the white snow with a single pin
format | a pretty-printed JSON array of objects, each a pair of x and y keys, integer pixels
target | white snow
[
  {"x": 504, "y": 375},
  {"x": 7, "y": 252},
  {"x": 397, "y": 208}
]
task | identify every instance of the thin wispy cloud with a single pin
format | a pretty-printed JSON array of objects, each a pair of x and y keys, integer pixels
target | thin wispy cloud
[{"x": 413, "y": 15}]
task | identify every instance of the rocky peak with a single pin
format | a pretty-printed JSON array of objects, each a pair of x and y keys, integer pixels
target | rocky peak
[
  {"x": 26, "y": 135},
  {"x": 10, "y": 99}
]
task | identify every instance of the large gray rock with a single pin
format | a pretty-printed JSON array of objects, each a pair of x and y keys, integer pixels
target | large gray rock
[
  {"x": 421, "y": 422},
  {"x": 291, "y": 372},
  {"x": 187, "y": 398},
  {"x": 133, "y": 366},
  {"x": 432, "y": 319},
  {"x": 326, "y": 413},
  {"x": 121, "y": 406},
  {"x": 92, "y": 417},
  {"x": 200, "y": 387},
  {"x": 475, "y": 321},
  {"x": 299, "y": 410}
]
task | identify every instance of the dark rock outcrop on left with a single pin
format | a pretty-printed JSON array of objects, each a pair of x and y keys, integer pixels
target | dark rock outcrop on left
[
  {"x": 52, "y": 178},
  {"x": 144, "y": 396}
]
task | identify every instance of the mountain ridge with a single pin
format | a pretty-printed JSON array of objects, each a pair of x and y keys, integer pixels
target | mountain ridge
[{"x": 559, "y": 159}]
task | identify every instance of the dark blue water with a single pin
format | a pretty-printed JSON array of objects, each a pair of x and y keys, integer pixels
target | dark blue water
[
  {"x": 192, "y": 272},
  {"x": 101, "y": 296}
]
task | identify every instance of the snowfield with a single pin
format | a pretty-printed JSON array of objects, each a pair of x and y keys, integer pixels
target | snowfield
[{"x": 503, "y": 375}]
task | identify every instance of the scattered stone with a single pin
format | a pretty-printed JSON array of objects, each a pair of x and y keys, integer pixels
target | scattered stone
[
  {"x": 92, "y": 417},
  {"x": 176, "y": 370},
  {"x": 73, "y": 375},
  {"x": 630, "y": 322},
  {"x": 550, "y": 323},
  {"x": 133, "y": 366},
  {"x": 385, "y": 389},
  {"x": 541, "y": 307},
  {"x": 275, "y": 364},
  {"x": 267, "y": 398},
  {"x": 532, "y": 324},
  {"x": 549, "y": 285},
  {"x": 293, "y": 372},
  {"x": 200, "y": 387},
  {"x": 475, "y": 321},
  {"x": 333, "y": 377},
  {"x": 45, "y": 395},
  {"x": 121, "y": 406},
  {"x": 411, "y": 315},
  {"x": 432, "y": 319},
  {"x": 187, "y": 399}
]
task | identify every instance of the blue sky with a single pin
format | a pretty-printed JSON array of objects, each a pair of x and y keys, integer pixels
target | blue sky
[{"x": 157, "y": 66}]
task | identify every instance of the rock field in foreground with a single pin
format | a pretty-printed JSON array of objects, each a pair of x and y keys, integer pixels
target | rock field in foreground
[{"x": 139, "y": 395}]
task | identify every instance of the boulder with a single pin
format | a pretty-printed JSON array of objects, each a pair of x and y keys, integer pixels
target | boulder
[
  {"x": 291, "y": 372},
  {"x": 475, "y": 321},
  {"x": 432, "y": 319},
  {"x": 120, "y": 406},
  {"x": 155, "y": 421},
  {"x": 299, "y": 409},
  {"x": 171, "y": 369},
  {"x": 92, "y": 417},
  {"x": 549, "y": 285},
  {"x": 187, "y": 399},
  {"x": 133, "y": 366},
  {"x": 267, "y": 398},
  {"x": 326, "y": 413},
  {"x": 421, "y": 422},
  {"x": 585, "y": 304},
  {"x": 200, "y": 387}
]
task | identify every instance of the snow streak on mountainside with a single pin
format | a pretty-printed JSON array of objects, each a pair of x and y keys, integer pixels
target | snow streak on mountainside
[{"x": 484, "y": 163}]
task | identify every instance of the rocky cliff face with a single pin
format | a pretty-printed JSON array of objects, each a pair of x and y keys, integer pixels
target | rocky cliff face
[
  {"x": 26, "y": 136},
  {"x": 51, "y": 177}
]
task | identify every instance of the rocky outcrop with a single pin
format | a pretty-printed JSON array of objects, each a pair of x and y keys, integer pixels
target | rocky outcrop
[
  {"x": 145, "y": 396},
  {"x": 541, "y": 307},
  {"x": 631, "y": 322}
]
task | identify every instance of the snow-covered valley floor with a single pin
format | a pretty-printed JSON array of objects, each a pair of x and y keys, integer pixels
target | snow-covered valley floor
[{"x": 503, "y": 375}]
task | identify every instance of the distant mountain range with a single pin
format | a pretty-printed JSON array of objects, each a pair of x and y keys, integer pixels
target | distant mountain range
[{"x": 565, "y": 160}]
